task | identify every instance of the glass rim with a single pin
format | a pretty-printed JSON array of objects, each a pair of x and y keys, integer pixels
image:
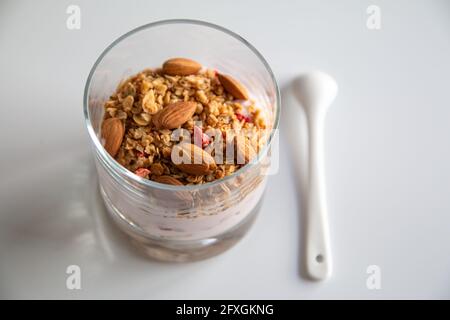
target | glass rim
[{"x": 118, "y": 168}]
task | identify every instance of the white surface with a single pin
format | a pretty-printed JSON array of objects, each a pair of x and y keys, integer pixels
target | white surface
[
  {"x": 387, "y": 153},
  {"x": 315, "y": 92}
]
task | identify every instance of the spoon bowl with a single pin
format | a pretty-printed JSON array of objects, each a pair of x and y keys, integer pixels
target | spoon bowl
[{"x": 315, "y": 90}]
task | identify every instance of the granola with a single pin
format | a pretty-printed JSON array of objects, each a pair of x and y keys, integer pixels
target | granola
[{"x": 179, "y": 110}]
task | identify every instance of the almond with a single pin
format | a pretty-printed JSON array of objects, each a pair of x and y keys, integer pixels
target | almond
[
  {"x": 168, "y": 180},
  {"x": 196, "y": 161},
  {"x": 174, "y": 115},
  {"x": 181, "y": 67},
  {"x": 233, "y": 87},
  {"x": 112, "y": 132},
  {"x": 183, "y": 196},
  {"x": 244, "y": 150}
]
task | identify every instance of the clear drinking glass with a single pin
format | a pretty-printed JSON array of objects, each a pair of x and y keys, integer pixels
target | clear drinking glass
[{"x": 181, "y": 223}]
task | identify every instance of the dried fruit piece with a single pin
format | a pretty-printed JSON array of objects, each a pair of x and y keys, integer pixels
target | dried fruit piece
[
  {"x": 241, "y": 117},
  {"x": 202, "y": 137},
  {"x": 233, "y": 87},
  {"x": 181, "y": 67},
  {"x": 244, "y": 150},
  {"x": 168, "y": 180},
  {"x": 142, "y": 172},
  {"x": 174, "y": 115},
  {"x": 192, "y": 159},
  {"x": 112, "y": 132}
]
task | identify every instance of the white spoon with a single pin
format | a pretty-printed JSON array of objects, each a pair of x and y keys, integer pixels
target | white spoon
[{"x": 316, "y": 91}]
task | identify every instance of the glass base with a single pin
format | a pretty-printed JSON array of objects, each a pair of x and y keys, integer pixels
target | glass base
[{"x": 181, "y": 250}]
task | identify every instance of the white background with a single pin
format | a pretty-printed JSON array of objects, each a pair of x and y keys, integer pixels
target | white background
[{"x": 387, "y": 147}]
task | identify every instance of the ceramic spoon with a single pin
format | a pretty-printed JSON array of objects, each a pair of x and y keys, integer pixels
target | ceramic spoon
[{"x": 316, "y": 91}]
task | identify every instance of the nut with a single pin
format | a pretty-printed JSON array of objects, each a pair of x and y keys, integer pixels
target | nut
[
  {"x": 174, "y": 115},
  {"x": 168, "y": 180},
  {"x": 233, "y": 87},
  {"x": 181, "y": 67},
  {"x": 112, "y": 132},
  {"x": 195, "y": 160},
  {"x": 157, "y": 169},
  {"x": 183, "y": 196}
]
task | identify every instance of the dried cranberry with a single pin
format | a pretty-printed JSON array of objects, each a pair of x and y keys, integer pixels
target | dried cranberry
[
  {"x": 142, "y": 172},
  {"x": 241, "y": 117},
  {"x": 198, "y": 132}
]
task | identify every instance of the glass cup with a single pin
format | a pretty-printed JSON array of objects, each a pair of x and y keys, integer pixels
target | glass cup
[{"x": 181, "y": 223}]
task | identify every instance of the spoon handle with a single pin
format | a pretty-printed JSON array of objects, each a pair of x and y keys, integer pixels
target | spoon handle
[{"x": 318, "y": 256}]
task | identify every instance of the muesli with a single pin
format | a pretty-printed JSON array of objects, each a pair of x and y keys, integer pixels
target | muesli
[{"x": 182, "y": 124}]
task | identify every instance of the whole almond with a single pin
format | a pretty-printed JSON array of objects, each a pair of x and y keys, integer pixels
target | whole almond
[
  {"x": 244, "y": 150},
  {"x": 183, "y": 196},
  {"x": 233, "y": 87},
  {"x": 112, "y": 132},
  {"x": 198, "y": 162},
  {"x": 168, "y": 180},
  {"x": 174, "y": 115},
  {"x": 181, "y": 67}
]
